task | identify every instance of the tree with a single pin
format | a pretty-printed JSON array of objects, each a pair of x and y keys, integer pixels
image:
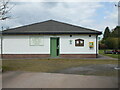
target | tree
[
  {"x": 112, "y": 43},
  {"x": 4, "y": 9},
  {"x": 102, "y": 46},
  {"x": 116, "y": 32},
  {"x": 111, "y": 39},
  {"x": 106, "y": 33}
]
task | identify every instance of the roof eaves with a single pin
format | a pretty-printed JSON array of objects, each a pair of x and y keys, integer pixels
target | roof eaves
[{"x": 13, "y": 33}]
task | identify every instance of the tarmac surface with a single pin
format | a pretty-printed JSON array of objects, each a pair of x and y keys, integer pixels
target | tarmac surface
[
  {"x": 52, "y": 80},
  {"x": 56, "y": 80},
  {"x": 91, "y": 69}
]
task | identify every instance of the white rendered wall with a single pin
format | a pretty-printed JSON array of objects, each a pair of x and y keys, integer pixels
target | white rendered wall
[
  {"x": 0, "y": 46},
  {"x": 67, "y": 48},
  {"x": 19, "y": 44}
]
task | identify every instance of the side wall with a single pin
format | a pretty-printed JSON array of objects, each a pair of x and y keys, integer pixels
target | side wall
[
  {"x": 20, "y": 45},
  {"x": 67, "y": 48},
  {"x": 0, "y": 48}
]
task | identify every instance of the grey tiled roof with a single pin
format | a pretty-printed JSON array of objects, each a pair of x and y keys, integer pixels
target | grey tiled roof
[{"x": 50, "y": 27}]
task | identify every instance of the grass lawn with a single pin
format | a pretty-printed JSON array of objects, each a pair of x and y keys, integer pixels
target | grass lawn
[
  {"x": 110, "y": 55},
  {"x": 0, "y": 64},
  {"x": 49, "y": 65}
]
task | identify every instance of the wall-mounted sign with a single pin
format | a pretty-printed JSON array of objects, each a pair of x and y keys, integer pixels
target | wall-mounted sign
[
  {"x": 70, "y": 41},
  {"x": 91, "y": 44},
  {"x": 36, "y": 40}
]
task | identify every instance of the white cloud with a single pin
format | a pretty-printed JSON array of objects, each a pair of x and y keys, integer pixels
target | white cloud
[
  {"x": 81, "y": 14},
  {"x": 76, "y": 13},
  {"x": 110, "y": 20}
]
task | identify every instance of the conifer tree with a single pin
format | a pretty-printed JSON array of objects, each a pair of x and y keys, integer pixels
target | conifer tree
[{"x": 106, "y": 33}]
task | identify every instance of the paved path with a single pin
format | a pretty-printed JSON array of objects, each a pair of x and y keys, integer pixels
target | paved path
[
  {"x": 51, "y": 80},
  {"x": 106, "y": 57}
]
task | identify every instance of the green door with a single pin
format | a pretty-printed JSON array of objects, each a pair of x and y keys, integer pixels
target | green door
[{"x": 54, "y": 47}]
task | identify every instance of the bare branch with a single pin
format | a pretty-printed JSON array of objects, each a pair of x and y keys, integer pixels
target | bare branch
[{"x": 4, "y": 9}]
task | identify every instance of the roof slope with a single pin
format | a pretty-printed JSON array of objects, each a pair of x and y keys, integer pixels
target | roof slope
[{"x": 50, "y": 27}]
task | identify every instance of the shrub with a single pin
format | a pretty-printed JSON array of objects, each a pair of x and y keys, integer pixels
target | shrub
[{"x": 102, "y": 46}]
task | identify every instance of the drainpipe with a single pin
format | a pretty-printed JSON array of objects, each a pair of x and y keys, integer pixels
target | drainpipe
[
  {"x": 96, "y": 46},
  {"x": 2, "y": 43}
]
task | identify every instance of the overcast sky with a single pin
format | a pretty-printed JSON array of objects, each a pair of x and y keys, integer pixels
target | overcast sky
[{"x": 94, "y": 15}]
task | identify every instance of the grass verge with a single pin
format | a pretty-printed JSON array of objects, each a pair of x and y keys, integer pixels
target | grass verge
[
  {"x": 50, "y": 65},
  {"x": 0, "y": 64}
]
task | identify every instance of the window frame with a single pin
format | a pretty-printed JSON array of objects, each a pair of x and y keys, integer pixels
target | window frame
[
  {"x": 79, "y": 44},
  {"x": 35, "y": 36}
]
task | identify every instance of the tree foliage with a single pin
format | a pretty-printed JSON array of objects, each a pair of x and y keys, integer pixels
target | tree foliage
[
  {"x": 106, "y": 33},
  {"x": 116, "y": 32},
  {"x": 102, "y": 46},
  {"x": 112, "y": 43},
  {"x": 111, "y": 40}
]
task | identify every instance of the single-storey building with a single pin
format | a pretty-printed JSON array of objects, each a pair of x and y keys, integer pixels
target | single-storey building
[{"x": 49, "y": 39}]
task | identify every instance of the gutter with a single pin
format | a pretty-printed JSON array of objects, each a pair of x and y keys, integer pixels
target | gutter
[{"x": 37, "y": 33}]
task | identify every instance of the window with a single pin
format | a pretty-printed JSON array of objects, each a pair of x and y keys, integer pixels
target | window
[
  {"x": 36, "y": 40},
  {"x": 79, "y": 42}
]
